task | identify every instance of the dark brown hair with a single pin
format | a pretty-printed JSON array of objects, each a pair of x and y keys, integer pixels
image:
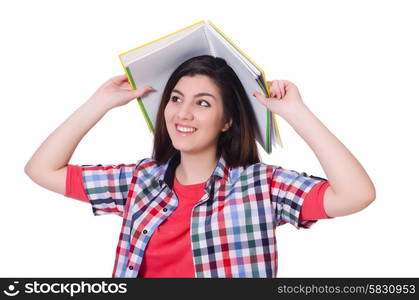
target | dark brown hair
[{"x": 237, "y": 144}]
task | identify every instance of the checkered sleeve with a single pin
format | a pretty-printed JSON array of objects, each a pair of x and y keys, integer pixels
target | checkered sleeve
[
  {"x": 107, "y": 187},
  {"x": 288, "y": 191}
]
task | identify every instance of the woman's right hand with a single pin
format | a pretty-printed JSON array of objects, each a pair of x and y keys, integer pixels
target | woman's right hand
[
  {"x": 48, "y": 165},
  {"x": 117, "y": 92}
]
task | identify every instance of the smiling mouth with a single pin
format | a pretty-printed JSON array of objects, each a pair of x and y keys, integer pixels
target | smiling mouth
[{"x": 184, "y": 129}]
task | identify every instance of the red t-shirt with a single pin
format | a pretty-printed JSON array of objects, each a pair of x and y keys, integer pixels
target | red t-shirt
[{"x": 169, "y": 253}]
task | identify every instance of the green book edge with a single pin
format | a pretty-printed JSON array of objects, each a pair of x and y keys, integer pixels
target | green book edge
[
  {"x": 268, "y": 121},
  {"x": 140, "y": 102}
]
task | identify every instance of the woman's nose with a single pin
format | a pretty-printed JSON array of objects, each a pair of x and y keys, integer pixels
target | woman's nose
[{"x": 185, "y": 112}]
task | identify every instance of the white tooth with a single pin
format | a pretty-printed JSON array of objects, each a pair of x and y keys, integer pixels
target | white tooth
[{"x": 184, "y": 129}]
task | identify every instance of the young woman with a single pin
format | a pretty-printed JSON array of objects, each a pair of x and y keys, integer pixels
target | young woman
[{"x": 203, "y": 205}]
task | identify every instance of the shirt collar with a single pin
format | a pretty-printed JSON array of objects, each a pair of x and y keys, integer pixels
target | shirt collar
[{"x": 167, "y": 171}]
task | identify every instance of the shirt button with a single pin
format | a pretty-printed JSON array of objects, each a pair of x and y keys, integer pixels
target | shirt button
[
  {"x": 144, "y": 231},
  {"x": 165, "y": 209},
  {"x": 130, "y": 267}
]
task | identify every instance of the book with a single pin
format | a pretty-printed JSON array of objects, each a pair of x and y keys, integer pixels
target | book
[{"x": 153, "y": 63}]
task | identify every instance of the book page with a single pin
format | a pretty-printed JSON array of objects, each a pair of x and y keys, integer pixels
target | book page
[
  {"x": 249, "y": 81},
  {"x": 149, "y": 48},
  {"x": 224, "y": 39}
]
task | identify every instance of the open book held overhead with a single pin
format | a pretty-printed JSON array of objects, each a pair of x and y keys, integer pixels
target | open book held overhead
[{"x": 153, "y": 63}]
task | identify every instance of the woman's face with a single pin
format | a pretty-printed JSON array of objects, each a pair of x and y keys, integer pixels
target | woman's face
[{"x": 193, "y": 114}]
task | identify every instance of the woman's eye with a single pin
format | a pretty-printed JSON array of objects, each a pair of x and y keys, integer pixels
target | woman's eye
[
  {"x": 174, "y": 98},
  {"x": 206, "y": 103}
]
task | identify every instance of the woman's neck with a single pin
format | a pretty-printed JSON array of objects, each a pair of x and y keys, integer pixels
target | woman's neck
[{"x": 195, "y": 168}]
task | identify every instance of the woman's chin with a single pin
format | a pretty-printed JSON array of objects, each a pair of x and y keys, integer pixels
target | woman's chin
[{"x": 182, "y": 147}]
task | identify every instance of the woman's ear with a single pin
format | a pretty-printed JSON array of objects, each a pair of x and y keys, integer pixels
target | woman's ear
[{"x": 227, "y": 125}]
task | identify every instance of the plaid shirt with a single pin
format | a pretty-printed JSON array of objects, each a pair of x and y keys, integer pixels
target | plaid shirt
[{"x": 232, "y": 226}]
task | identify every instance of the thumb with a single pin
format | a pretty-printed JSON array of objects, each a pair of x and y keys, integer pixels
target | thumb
[
  {"x": 261, "y": 98},
  {"x": 143, "y": 91}
]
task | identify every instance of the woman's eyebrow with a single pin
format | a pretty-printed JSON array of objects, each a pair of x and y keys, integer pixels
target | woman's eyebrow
[{"x": 197, "y": 95}]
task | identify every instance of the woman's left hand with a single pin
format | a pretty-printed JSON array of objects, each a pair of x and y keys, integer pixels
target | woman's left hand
[{"x": 285, "y": 98}]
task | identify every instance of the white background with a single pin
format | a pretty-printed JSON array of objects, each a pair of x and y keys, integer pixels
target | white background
[{"x": 355, "y": 63}]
